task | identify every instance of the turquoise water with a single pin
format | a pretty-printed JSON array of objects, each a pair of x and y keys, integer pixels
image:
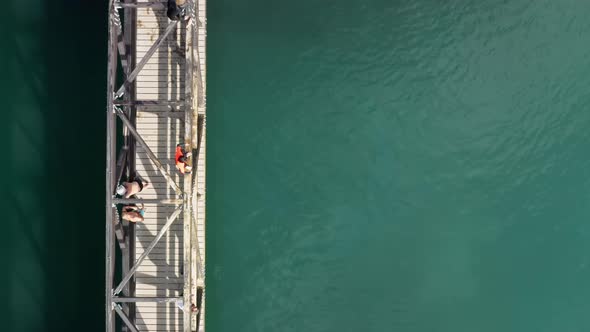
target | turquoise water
[
  {"x": 372, "y": 166},
  {"x": 398, "y": 166}
]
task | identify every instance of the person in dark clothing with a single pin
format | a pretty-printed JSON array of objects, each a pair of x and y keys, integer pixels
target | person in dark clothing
[
  {"x": 129, "y": 188},
  {"x": 175, "y": 10}
]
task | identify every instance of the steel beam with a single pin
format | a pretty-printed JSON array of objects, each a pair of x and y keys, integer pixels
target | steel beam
[
  {"x": 200, "y": 273},
  {"x": 125, "y": 319},
  {"x": 188, "y": 181},
  {"x": 171, "y": 104},
  {"x": 127, "y": 56},
  {"x": 120, "y": 41},
  {"x": 147, "y": 201},
  {"x": 149, "y": 152},
  {"x": 109, "y": 178},
  {"x": 121, "y": 163},
  {"x": 198, "y": 262},
  {"x": 166, "y": 114},
  {"x": 119, "y": 231},
  {"x": 146, "y": 58},
  {"x": 118, "y": 226},
  {"x": 111, "y": 126},
  {"x": 117, "y": 299},
  {"x": 200, "y": 86},
  {"x": 147, "y": 251}
]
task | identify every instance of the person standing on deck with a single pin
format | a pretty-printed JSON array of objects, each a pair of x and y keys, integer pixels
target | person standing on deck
[
  {"x": 181, "y": 158},
  {"x": 128, "y": 189}
]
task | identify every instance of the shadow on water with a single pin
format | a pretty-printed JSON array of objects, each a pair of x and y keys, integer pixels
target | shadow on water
[
  {"x": 75, "y": 56},
  {"x": 53, "y": 130}
]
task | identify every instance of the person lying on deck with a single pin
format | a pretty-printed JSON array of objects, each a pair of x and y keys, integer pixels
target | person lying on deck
[
  {"x": 128, "y": 189},
  {"x": 181, "y": 158},
  {"x": 132, "y": 213}
]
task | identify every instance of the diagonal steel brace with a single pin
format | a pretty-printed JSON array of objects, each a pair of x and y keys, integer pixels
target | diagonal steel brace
[
  {"x": 147, "y": 149},
  {"x": 145, "y": 59},
  {"x": 147, "y": 251}
]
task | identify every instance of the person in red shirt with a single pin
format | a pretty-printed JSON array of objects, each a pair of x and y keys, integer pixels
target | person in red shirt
[{"x": 181, "y": 158}]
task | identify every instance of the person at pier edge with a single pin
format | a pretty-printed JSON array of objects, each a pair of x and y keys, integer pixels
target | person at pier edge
[
  {"x": 132, "y": 213},
  {"x": 128, "y": 189},
  {"x": 181, "y": 157},
  {"x": 180, "y": 305},
  {"x": 176, "y": 9}
]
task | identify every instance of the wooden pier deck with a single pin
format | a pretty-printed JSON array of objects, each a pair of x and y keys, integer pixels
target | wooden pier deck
[{"x": 160, "y": 103}]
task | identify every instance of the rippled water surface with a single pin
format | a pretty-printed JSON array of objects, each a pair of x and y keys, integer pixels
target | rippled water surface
[{"x": 398, "y": 165}]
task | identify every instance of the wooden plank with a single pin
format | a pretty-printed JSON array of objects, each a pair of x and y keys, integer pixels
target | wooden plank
[
  {"x": 158, "y": 325},
  {"x": 168, "y": 251},
  {"x": 163, "y": 253},
  {"x": 168, "y": 243},
  {"x": 163, "y": 260},
  {"x": 160, "y": 286},
  {"x": 148, "y": 115},
  {"x": 154, "y": 271},
  {"x": 169, "y": 323},
  {"x": 201, "y": 164},
  {"x": 152, "y": 322},
  {"x": 147, "y": 56},
  {"x": 159, "y": 69},
  {"x": 150, "y": 314},
  {"x": 159, "y": 290},
  {"x": 159, "y": 186},
  {"x": 172, "y": 111},
  {"x": 154, "y": 219},
  {"x": 160, "y": 280},
  {"x": 170, "y": 240},
  {"x": 165, "y": 257},
  {"x": 162, "y": 79},
  {"x": 142, "y": 84},
  {"x": 161, "y": 329},
  {"x": 157, "y": 309}
]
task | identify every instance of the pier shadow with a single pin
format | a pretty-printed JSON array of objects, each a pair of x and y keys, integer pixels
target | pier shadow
[
  {"x": 53, "y": 193},
  {"x": 74, "y": 49},
  {"x": 53, "y": 129}
]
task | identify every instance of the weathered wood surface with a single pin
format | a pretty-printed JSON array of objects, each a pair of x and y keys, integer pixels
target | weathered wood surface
[
  {"x": 160, "y": 80},
  {"x": 162, "y": 125}
]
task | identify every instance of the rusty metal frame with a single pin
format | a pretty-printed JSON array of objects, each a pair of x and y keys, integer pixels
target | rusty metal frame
[{"x": 122, "y": 63}]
